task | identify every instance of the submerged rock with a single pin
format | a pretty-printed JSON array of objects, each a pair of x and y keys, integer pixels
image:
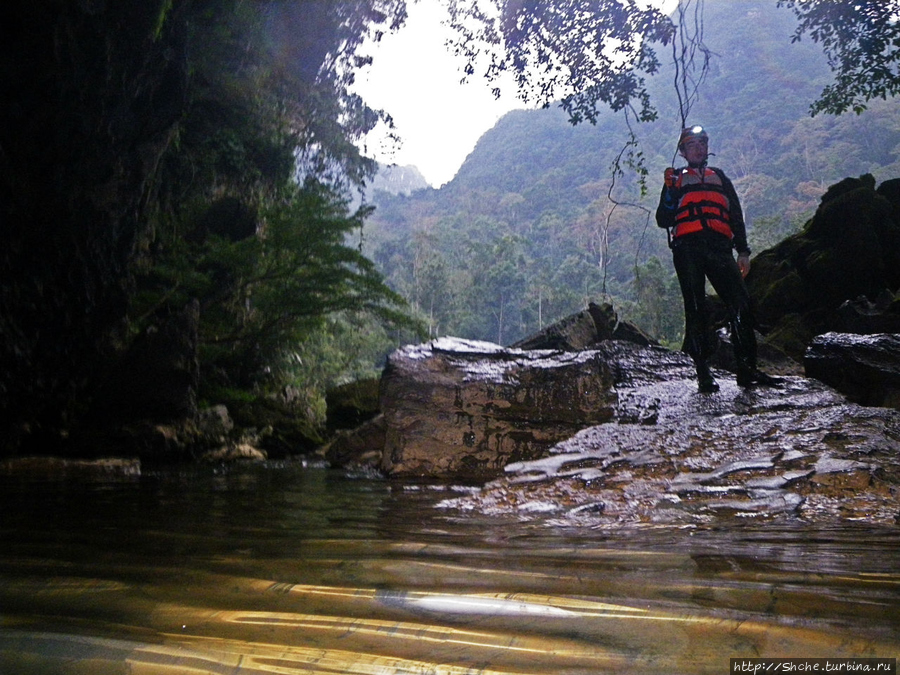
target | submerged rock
[
  {"x": 239, "y": 452},
  {"x": 83, "y": 470}
]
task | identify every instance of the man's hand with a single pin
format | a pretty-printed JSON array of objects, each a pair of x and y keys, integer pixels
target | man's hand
[
  {"x": 743, "y": 262},
  {"x": 669, "y": 177}
]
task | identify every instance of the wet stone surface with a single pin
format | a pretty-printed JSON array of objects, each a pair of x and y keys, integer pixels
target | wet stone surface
[
  {"x": 799, "y": 452},
  {"x": 457, "y": 408}
]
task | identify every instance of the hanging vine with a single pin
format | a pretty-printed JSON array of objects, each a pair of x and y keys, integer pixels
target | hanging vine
[
  {"x": 691, "y": 59},
  {"x": 586, "y": 56},
  {"x": 690, "y": 56}
]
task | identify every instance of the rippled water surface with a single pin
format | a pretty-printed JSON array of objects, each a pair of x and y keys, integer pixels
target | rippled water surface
[{"x": 280, "y": 569}]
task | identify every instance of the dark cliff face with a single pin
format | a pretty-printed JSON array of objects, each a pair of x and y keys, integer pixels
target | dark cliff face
[
  {"x": 849, "y": 249},
  {"x": 92, "y": 92}
]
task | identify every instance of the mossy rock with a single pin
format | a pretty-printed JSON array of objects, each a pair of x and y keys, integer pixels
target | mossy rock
[
  {"x": 890, "y": 190},
  {"x": 851, "y": 248},
  {"x": 785, "y": 293},
  {"x": 351, "y": 404},
  {"x": 866, "y": 181},
  {"x": 283, "y": 429},
  {"x": 791, "y": 335},
  {"x": 825, "y": 272}
]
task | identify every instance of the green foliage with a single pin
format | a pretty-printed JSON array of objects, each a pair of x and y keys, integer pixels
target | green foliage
[
  {"x": 263, "y": 295},
  {"x": 252, "y": 216},
  {"x": 345, "y": 347},
  {"x": 536, "y": 200},
  {"x": 862, "y": 43},
  {"x": 587, "y": 54},
  {"x": 582, "y": 54},
  {"x": 656, "y": 307},
  {"x": 164, "y": 10},
  {"x": 270, "y": 85}
]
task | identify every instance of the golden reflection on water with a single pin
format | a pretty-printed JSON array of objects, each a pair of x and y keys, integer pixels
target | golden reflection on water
[{"x": 284, "y": 571}]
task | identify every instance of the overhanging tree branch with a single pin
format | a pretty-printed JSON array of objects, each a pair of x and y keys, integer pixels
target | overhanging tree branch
[{"x": 861, "y": 41}]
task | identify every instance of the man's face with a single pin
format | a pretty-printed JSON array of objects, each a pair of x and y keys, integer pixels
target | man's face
[{"x": 695, "y": 150}]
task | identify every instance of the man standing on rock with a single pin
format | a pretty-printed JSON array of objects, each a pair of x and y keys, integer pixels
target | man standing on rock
[{"x": 701, "y": 210}]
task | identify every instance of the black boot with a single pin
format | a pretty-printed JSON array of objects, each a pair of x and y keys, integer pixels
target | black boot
[
  {"x": 706, "y": 383},
  {"x": 750, "y": 377}
]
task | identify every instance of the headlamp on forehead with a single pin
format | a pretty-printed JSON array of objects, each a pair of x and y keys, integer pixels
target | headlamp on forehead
[{"x": 692, "y": 133}]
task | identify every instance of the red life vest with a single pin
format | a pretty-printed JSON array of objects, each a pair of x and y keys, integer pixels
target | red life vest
[{"x": 703, "y": 204}]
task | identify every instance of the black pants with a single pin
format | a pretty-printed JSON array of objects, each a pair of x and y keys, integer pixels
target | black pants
[{"x": 707, "y": 255}]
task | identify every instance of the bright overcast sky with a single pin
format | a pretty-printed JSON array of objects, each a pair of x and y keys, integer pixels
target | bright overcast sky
[{"x": 416, "y": 80}]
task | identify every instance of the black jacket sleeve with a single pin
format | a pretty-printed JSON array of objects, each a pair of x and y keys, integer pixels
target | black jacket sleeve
[{"x": 668, "y": 204}]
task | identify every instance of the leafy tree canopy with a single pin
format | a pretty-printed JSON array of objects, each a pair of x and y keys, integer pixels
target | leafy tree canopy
[
  {"x": 252, "y": 217},
  {"x": 271, "y": 83},
  {"x": 862, "y": 43},
  {"x": 583, "y": 53},
  {"x": 587, "y": 54}
]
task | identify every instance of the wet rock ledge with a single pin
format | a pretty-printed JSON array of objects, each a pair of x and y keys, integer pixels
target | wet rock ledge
[
  {"x": 672, "y": 456},
  {"x": 618, "y": 434}
]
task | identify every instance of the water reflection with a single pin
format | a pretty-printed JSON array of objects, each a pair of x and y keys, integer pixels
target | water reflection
[{"x": 281, "y": 569}]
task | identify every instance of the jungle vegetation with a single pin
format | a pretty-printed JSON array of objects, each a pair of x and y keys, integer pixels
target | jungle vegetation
[
  {"x": 156, "y": 154},
  {"x": 546, "y": 215}
]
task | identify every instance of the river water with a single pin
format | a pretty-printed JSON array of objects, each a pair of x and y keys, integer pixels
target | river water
[{"x": 283, "y": 569}]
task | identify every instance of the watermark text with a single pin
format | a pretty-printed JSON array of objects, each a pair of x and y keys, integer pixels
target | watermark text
[{"x": 802, "y": 666}]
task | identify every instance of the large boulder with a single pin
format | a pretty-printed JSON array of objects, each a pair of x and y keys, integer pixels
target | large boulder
[
  {"x": 865, "y": 368},
  {"x": 849, "y": 249},
  {"x": 584, "y": 330},
  {"x": 466, "y": 409}
]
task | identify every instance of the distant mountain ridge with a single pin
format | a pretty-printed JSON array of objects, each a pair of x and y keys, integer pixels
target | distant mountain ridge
[
  {"x": 397, "y": 180},
  {"x": 532, "y": 195}
]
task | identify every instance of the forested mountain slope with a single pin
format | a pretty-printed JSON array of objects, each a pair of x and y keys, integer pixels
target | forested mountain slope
[{"x": 526, "y": 233}]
